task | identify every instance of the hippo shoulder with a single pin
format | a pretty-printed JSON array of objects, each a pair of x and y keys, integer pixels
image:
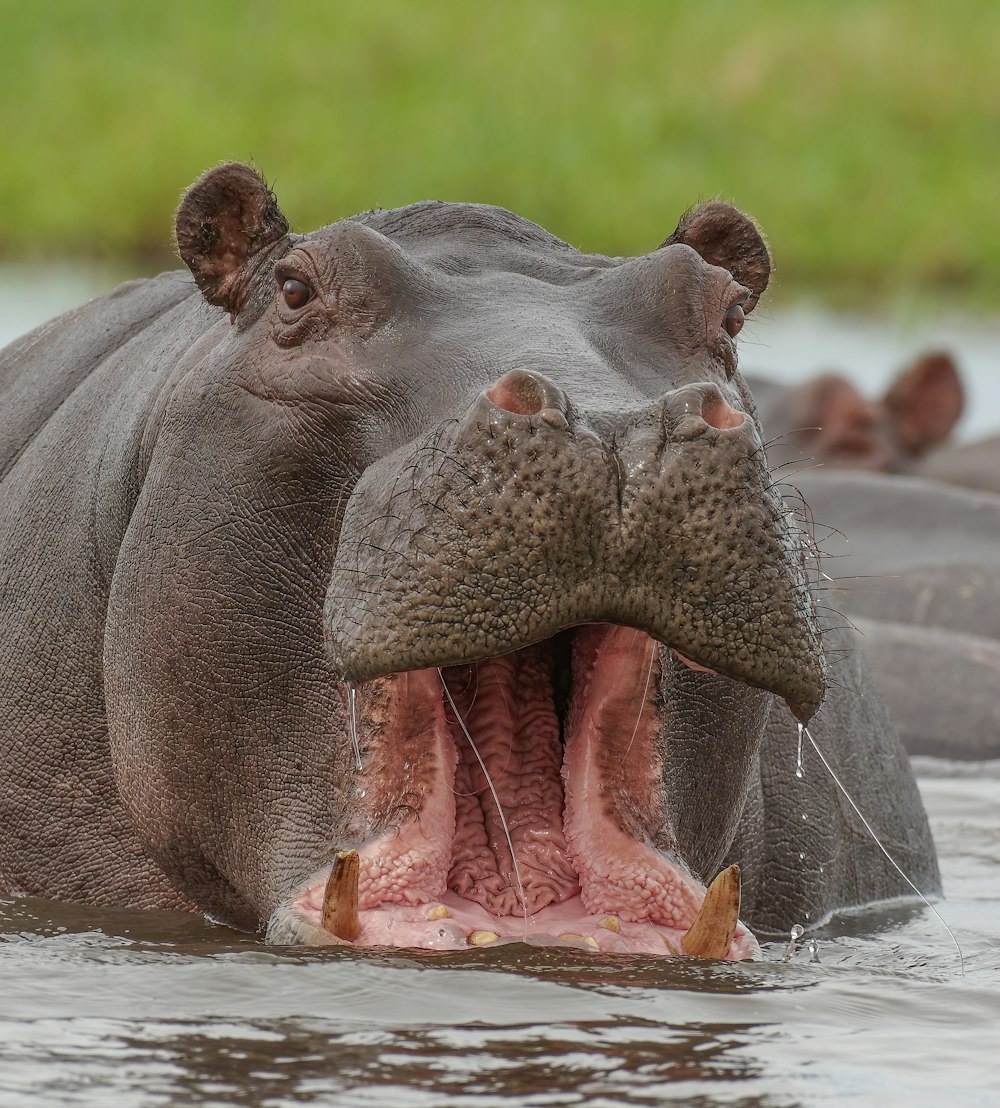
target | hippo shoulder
[{"x": 41, "y": 369}]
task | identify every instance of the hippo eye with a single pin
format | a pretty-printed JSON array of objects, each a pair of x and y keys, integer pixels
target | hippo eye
[
  {"x": 734, "y": 319},
  {"x": 296, "y": 293}
]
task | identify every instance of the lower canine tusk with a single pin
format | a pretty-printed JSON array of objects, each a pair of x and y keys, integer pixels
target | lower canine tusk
[
  {"x": 340, "y": 901},
  {"x": 711, "y": 934}
]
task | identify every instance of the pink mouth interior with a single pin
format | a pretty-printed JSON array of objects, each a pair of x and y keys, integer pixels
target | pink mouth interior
[{"x": 576, "y": 775}]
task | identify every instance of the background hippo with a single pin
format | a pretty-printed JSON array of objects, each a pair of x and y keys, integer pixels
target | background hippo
[
  {"x": 828, "y": 420},
  {"x": 974, "y": 465},
  {"x": 512, "y": 493},
  {"x": 916, "y": 566}
]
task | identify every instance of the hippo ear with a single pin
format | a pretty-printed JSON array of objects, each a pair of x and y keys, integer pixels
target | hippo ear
[
  {"x": 724, "y": 236},
  {"x": 226, "y": 219},
  {"x": 925, "y": 402}
]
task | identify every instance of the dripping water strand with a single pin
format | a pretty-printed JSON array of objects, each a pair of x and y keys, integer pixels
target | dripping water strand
[
  {"x": 642, "y": 701},
  {"x": 496, "y": 798},
  {"x": 352, "y": 705},
  {"x": 878, "y": 843},
  {"x": 798, "y": 757}
]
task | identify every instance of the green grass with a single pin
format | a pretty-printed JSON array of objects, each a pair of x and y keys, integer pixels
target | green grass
[{"x": 864, "y": 137}]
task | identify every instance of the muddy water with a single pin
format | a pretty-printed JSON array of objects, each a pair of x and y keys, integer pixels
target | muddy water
[{"x": 100, "y": 1008}]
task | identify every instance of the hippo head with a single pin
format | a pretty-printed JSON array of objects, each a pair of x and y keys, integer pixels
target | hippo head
[{"x": 457, "y": 591}]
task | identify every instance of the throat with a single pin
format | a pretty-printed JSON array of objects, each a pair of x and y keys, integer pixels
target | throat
[{"x": 510, "y": 852}]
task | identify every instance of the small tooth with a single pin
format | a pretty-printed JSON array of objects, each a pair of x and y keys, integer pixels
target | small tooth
[
  {"x": 711, "y": 934},
  {"x": 571, "y": 937},
  {"x": 591, "y": 941},
  {"x": 668, "y": 944},
  {"x": 611, "y": 923},
  {"x": 439, "y": 911},
  {"x": 480, "y": 938},
  {"x": 340, "y": 901}
]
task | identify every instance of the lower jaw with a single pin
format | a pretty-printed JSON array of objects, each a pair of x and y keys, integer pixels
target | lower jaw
[
  {"x": 565, "y": 871},
  {"x": 454, "y": 923}
]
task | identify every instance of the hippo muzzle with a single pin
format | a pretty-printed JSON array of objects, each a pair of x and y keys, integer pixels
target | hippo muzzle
[{"x": 521, "y": 521}]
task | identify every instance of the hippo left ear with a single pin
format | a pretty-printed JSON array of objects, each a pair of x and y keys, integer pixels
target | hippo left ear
[
  {"x": 724, "y": 236},
  {"x": 227, "y": 220}
]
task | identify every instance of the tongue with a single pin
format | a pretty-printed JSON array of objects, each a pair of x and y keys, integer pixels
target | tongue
[{"x": 507, "y": 707}]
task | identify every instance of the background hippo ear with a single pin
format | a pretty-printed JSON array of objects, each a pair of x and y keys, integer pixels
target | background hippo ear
[
  {"x": 225, "y": 221},
  {"x": 724, "y": 236},
  {"x": 925, "y": 402}
]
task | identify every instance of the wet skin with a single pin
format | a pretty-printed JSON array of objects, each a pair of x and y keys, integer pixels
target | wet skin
[{"x": 510, "y": 492}]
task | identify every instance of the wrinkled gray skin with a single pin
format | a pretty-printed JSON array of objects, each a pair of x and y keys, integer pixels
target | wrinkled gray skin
[
  {"x": 918, "y": 570},
  {"x": 177, "y": 469}
]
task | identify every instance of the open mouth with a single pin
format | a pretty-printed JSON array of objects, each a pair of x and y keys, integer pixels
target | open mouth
[{"x": 519, "y": 799}]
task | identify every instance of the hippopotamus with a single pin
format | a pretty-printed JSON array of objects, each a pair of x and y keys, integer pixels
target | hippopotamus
[
  {"x": 915, "y": 565},
  {"x": 973, "y": 465},
  {"x": 829, "y": 420},
  {"x": 420, "y": 582}
]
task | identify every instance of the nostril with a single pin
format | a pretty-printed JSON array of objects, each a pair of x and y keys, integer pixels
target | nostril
[
  {"x": 717, "y": 413},
  {"x": 518, "y": 392}
]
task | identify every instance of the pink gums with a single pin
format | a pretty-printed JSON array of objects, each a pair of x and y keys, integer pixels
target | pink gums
[{"x": 580, "y": 818}]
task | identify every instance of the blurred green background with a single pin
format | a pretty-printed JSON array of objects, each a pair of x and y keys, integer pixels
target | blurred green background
[{"x": 863, "y": 136}]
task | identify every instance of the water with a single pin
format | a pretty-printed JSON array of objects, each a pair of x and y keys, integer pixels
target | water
[{"x": 137, "y": 1009}]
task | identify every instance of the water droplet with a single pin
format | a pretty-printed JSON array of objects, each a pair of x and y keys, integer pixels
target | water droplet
[
  {"x": 813, "y": 947},
  {"x": 793, "y": 942},
  {"x": 802, "y": 857},
  {"x": 805, "y": 815},
  {"x": 798, "y": 755},
  {"x": 352, "y": 696}
]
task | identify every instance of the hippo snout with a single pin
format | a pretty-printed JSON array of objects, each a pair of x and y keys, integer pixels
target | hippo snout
[{"x": 528, "y": 516}]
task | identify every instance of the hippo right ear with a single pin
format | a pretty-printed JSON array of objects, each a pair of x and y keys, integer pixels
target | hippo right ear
[
  {"x": 227, "y": 219},
  {"x": 925, "y": 402},
  {"x": 724, "y": 236}
]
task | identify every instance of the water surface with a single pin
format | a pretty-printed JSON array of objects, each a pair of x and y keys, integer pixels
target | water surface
[{"x": 134, "y": 1009}]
